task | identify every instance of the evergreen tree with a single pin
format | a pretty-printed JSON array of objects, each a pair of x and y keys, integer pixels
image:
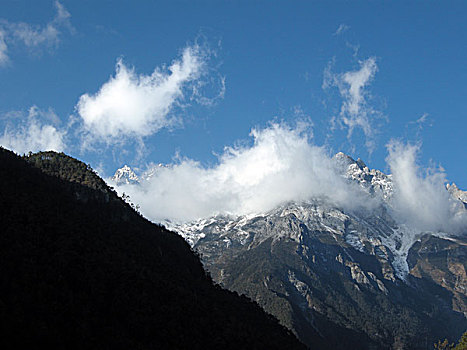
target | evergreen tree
[{"x": 462, "y": 345}]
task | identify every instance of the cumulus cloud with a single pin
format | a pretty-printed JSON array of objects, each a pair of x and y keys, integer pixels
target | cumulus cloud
[
  {"x": 34, "y": 134},
  {"x": 34, "y": 37},
  {"x": 281, "y": 165},
  {"x": 420, "y": 197},
  {"x": 355, "y": 111},
  {"x": 134, "y": 106}
]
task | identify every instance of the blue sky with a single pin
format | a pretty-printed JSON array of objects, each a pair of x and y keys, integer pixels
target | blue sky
[{"x": 382, "y": 70}]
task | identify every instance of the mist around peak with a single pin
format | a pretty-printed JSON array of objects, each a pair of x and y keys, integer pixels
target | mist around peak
[
  {"x": 283, "y": 165},
  {"x": 420, "y": 198}
]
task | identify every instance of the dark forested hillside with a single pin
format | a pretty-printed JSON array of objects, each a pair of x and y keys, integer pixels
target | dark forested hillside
[{"x": 80, "y": 269}]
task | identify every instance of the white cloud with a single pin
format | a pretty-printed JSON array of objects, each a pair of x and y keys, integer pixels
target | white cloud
[
  {"x": 416, "y": 127},
  {"x": 3, "y": 49},
  {"x": 355, "y": 82},
  {"x": 355, "y": 111},
  {"x": 420, "y": 198},
  {"x": 34, "y": 37},
  {"x": 62, "y": 16},
  {"x": 341, "y": 29},
  {"x": 34, "y": 135},
  {"x": 132, "y": 105},
  {"x": 281, "y": 166},
  {"x": 421, "y": 120},
  {"x": 199, "y": 96}
]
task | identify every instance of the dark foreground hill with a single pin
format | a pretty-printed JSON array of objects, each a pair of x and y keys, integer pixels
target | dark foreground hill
[{"x": 79, "y": 268}]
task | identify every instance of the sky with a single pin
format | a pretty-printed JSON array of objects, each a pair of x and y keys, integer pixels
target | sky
[{"x": 219, "y": 87}]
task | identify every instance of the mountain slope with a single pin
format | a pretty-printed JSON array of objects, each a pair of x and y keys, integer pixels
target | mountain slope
[
  {"x": 356, "y": 279},
  {"x": 80, "y": 269}
]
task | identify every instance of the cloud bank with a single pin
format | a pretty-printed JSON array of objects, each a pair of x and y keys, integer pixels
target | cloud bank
[
  {"x": 34, "y": 133},
  {"x": 281, "y": 165},
  {"x": 134, "y": 106}
]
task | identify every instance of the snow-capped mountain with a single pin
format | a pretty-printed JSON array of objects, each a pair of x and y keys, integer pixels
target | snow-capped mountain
[
  {"x": 457, "y": 193},
  {"x": 323, "y": 270},
  {"x": 338, "y": 273},
  {"x": 125, "y": 176},
  {"x": 368, "y": 232},
  {"x": 374, "y": 181}
]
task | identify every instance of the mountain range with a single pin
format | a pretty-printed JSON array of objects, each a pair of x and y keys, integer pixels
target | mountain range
[{"x": 342, "y": 276}]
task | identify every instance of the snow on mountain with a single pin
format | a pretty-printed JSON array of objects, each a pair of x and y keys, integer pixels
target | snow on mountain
[
  {"x": 125, "y": 175},
  {"x": 374, "y": 181},
  {"x": 457, "y": 193},
  {"x": 373, "y": 232},
  {"x": 317, "y": 263}
]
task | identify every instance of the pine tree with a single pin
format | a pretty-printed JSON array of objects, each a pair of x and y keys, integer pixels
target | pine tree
[
  {"x": 443, "y": 345},
  {"x": 462, "y": 345}
]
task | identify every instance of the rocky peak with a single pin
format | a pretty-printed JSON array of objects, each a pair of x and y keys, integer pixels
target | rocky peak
[
  {"x": 371, "y": 180},
  {"x": 343, "y": 159},
  {"x": 457, "y": 193},
  {"x": 125, "y": 176}
]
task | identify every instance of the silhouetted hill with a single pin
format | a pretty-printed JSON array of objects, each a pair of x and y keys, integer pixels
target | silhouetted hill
[{"x": 80, "y": 269}]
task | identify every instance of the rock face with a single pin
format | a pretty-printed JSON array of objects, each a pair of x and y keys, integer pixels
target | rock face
[
  {"x": 354, "y": 280},
  {"x": 457, "y": 193},
  {"x": 442, "y": 261}
]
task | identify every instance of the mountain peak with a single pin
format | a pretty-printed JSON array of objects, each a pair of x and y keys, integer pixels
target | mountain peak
[
  {"x": 371, "y": 180},
  {"x": 341, "y": 157},
  {"x": 125, "y": 176},
  {"x": 457, "y": 193}
]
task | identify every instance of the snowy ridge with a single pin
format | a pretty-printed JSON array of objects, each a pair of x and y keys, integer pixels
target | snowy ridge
[
  {"x": 373, "y": 181},
  {"x": 373, "y": 232},
  {"x": 126, "y": 175},
  {"x": 377, "y": 234}
]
